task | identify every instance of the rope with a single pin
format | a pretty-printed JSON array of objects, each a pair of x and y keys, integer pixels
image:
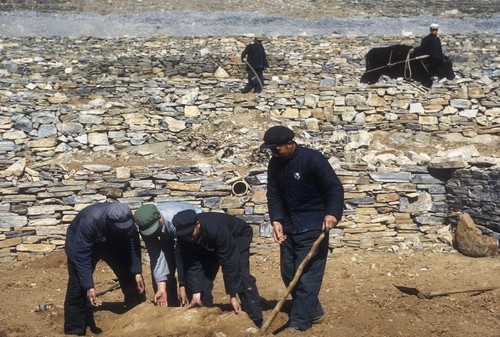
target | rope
[
  {"x": 407, "y": 66},
  {"x": 399, "y": 62}
]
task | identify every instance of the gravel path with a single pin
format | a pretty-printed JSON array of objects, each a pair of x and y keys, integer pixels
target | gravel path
[
  {"x": 115, "y": 18},
  {"x": 182, "y": 23}
]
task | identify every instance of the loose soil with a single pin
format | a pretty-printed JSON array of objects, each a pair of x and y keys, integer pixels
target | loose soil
[{"x": 358, "y": 294}]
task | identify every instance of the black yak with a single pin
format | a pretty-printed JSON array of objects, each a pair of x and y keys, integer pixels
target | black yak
[{"x": 403, "y": 61}]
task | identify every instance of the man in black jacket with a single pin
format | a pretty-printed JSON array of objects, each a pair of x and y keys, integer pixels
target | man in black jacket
[
  {"x": 305, "y": 198},
  {"x": 209, "y": 240},
  {"x": 431, "y": 44},
  {"x": 255, "y": 58},
  {"x": 101, "y": 231}
]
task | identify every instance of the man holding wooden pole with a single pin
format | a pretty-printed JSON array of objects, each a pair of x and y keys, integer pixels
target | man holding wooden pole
[
  {"x": 255, "y": 59},
  {"x": 305, "y": 199}
]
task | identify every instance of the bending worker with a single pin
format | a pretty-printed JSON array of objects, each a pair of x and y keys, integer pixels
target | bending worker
[
  {"x": 209, "y": 240},
  {"x": 103, "y": 231},
  {"x": 158, "y": 233}
]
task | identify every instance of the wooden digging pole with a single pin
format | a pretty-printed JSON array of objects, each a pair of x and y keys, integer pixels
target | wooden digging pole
[{"x": 292, "y": 284}]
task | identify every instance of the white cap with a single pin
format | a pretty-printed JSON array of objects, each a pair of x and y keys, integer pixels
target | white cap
[{"x": 434, "y": 26}]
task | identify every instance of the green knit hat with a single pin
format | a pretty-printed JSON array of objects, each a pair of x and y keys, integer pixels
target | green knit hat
[{"x": 147, "y": 218}]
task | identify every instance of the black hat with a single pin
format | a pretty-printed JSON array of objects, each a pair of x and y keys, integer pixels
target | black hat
[
  {"x": 120, "y": 214},
  {"x": 277, "y": 135},
  {"x": 184, "y": 222}
]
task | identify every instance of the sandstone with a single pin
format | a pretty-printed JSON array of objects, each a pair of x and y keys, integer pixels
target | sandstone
[
  {"x": 174, "y": 125},
  {"x": 470, "y": 241},
  {"x": 221, "y": 73},
  {"x": 13, "y": 242},
  {"x": 36, "y": 248},
  {"x": 447, "y": 163},
  {"x": 428, "y": 120},
  {"x": 191, "y": 111}
]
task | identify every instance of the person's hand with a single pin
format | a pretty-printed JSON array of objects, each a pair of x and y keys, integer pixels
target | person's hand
[
  {"x": 196, "y": 301},
  {"x": 329, "y": 222},
  {"x": 92, "y": 296},
  {"x": 244, "y": 59},
  {"x": 183, "y": 296},
  {"x": 161, "y": 294},
  {"x": 140, "y": 283},
  {"x": 235, "y": 304},
  {"x": 278, "y": 234}
]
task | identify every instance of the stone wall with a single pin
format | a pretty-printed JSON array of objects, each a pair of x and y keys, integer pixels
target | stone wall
[
  {"x": 109, "y": 102},
  {"x": 478, "y": 193}
]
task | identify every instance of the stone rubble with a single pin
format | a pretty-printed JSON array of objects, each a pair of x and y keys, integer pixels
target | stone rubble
[{"x": 137, "y": 120}]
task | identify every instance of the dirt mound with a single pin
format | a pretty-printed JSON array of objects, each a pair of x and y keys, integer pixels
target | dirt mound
[{"x": 150, "y": 320}]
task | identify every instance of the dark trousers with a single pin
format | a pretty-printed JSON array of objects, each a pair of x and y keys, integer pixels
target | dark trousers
[
  {"x": 305, "y": 305},
  {"x": 253, "y": 82},
  {"x": 250, "y": 298},
  {"x": 78, "y": 312},
  {"x": 434, "y": 65},
  {"x": 203, "y": 282}
]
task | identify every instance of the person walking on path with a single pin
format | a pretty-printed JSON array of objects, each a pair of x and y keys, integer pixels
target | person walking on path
[
  {"x": 255, "y": 59},
  {"x": 212, "y": 240},
  {"x": 158, "y": 233},
  {"x": 305, "y": 198},
  {"x": 103, "y": 231}
]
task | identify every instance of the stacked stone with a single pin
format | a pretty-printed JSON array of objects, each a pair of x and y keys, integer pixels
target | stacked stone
[
  {"x": 35, "y": 213},
  {"x": 477, "y": 192},
  {"x": 392, "y": 209},
  {"x": 88, "y": 95}
]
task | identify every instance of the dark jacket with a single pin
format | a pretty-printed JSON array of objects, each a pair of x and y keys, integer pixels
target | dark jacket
[
  {"x": 256, "y": 56},
  {"x": 86, "y": 230},
  {"x": 431, "y": 44},
  {"x": 221, "y": 235},
  {"x": 301, "y": 191}
]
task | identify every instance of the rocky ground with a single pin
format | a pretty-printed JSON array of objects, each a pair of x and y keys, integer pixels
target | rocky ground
[
  {"x": 224, "y": 18},
  {"x": 359, "y": 293},
  {"x": 301, "y": 8}
]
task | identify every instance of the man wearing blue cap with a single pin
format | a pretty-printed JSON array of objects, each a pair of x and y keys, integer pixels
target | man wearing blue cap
[
  {"x": 158, "y": 234},
  {"x": 103, "y": 231},
  {"x": 304, "y": 198},
  {"x": 212, "y": 240}
]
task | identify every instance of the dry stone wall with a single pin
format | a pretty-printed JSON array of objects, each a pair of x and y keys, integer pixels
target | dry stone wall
[
  {"x": 476, "y": 192},
  {"x": 162, "y": 119}
]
